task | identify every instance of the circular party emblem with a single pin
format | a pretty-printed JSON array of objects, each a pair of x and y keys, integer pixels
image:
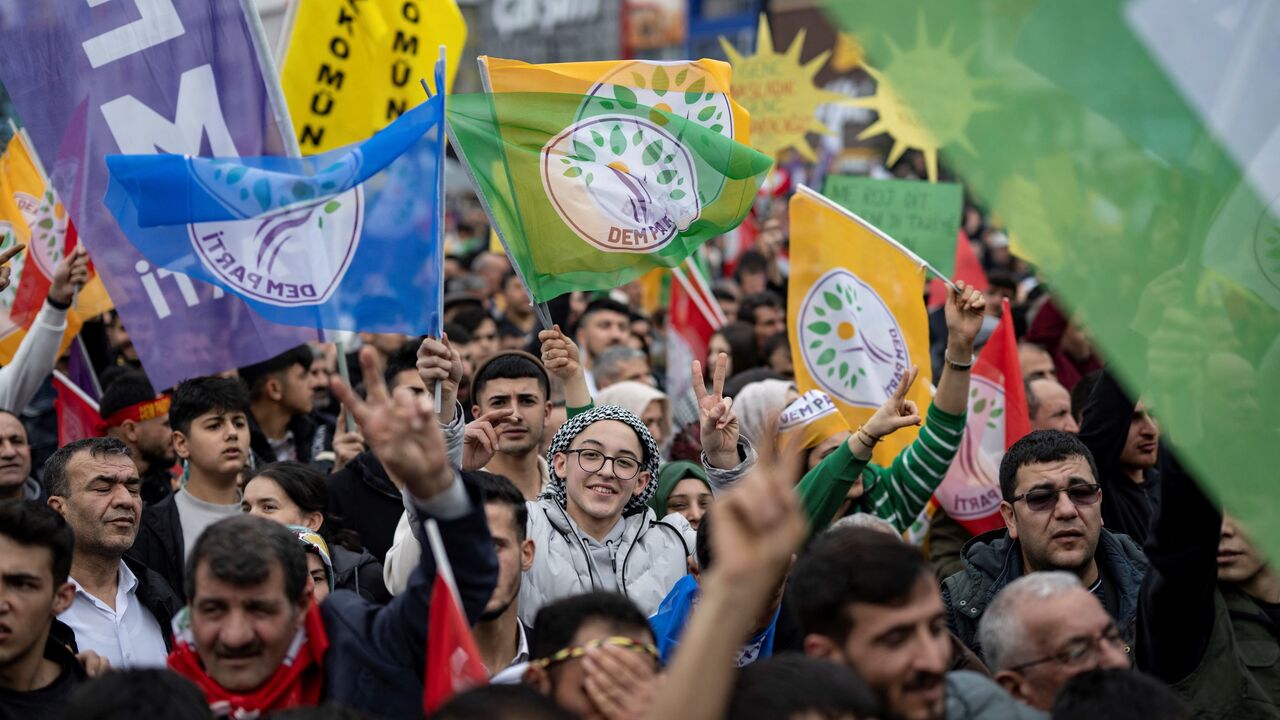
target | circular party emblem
[
  {"x": 621, "y": 179},
  {"x": 294, "y": 247},
  {"x": 852, "y": 345}
]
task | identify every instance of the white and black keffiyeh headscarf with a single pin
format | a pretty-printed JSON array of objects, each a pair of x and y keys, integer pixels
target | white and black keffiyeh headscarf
[{"x": 574, "y": 427}]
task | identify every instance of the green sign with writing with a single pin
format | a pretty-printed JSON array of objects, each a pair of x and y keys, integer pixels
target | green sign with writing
[{"x": 924, "y": 217}]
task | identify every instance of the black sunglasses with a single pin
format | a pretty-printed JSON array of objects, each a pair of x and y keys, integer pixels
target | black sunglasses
[{"x": 1044, "y": 499}]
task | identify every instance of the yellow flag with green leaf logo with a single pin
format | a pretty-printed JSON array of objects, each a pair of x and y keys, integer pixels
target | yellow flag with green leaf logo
[{"x": 856, "y": 315}]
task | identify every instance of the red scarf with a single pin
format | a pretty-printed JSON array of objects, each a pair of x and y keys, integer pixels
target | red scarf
[{"x": 298, "y": 682}]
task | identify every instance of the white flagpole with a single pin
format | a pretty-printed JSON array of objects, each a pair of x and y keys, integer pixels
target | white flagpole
[{"x": 442, "y": 560}]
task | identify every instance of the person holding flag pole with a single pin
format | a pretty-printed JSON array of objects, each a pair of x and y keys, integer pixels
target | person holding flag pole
[{"x": 868, "y": 310}]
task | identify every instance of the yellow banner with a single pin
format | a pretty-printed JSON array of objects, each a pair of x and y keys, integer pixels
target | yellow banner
[
  {"x": 30, "y": 213},
  {"x": 856, "y": 315},
  {"x": 683, "y": 87},
  {"x": 352, "y": 68}
]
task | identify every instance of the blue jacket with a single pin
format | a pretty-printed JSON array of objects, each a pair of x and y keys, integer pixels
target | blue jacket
[{"x": 377, "y": 653}]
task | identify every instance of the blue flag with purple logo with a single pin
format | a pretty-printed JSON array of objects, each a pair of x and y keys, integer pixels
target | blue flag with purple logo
[
  {"x": 346, "y": 240},
  {"x": 194, "y": 77}
]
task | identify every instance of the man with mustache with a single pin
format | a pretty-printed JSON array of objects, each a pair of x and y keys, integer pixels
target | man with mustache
[
  {"x": 121, "y": 609},
  {"x": 1053, "y": 516},
  {"x": 868, "y": 601}
]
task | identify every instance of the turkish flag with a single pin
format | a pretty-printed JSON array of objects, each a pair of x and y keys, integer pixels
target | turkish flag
[
  {"x": 453, "y": 662},
  {"x": 77, "y": 412},
  {"x": 997, "y": 418}
]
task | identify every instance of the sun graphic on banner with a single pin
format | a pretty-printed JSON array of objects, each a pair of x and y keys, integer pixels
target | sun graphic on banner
[
  {"x": 924, "y": 98},
  {"x": 779, "y": 93}
]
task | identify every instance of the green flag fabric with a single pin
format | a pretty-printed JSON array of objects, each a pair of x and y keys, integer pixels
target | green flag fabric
[
  {"x": 1131, "y": 148},
  {"x": 587, "y": 193}
]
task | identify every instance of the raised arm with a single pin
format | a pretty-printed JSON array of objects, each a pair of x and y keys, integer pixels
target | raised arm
[
  {"x": 758, "y": 528},
  {"x": 36, "y": 355},
  {"x": 561, "y": 357}
]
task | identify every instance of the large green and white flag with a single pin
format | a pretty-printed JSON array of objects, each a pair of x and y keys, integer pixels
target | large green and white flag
[
  {"x": 1132, "y": 147},
  {"x": 595, "y": 173}
]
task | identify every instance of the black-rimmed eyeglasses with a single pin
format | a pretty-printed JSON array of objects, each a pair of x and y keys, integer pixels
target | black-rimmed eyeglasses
[{"x": 624, "y": 468}]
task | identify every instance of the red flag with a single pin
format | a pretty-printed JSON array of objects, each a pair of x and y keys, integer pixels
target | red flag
[
  {"x": 453, "y": 662},
  {"x": 998, "y": 417},
  {"x": 693, "y": 317},
  {"x": 77, "y": 412},
  {"x": 968, "y": 268}
]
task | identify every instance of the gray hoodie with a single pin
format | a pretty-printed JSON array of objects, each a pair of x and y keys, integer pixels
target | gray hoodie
[{"x": 971, "y": 696}]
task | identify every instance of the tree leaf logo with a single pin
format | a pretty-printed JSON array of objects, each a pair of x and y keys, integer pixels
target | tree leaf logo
[
  {"x": 1266, "y": 243},
  {"x": 621, "y": 182},
  {"x": 852, "y": 345},
  {"x": 47, "y": 222}
]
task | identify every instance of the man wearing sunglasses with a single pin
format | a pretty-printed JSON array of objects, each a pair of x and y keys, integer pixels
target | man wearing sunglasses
[
  {"x": 1044, "y": 629},
  {"x": 1053, "y": 516}
]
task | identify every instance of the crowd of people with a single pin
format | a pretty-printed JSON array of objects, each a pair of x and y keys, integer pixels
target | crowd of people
[{"x": 256, "y": 544}]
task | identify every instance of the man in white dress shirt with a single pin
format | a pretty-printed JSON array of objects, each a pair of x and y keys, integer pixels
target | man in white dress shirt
[{"x": 121, "y": 609}]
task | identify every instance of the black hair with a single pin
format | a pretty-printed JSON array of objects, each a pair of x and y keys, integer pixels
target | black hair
[
  {"x": 497, "y": 489},
  {"x": 471, "y": 318},
  {"x": 1118, "y": 695},
  {"x": 500, "y": 702},
  {"x": 751, "y": 303},
  {"x": 137, "y": 693},
  {"x": 256, "y": 375},
  {"x": 702, "y": 543},
  {"x": 197, "y": 396},
  {"x": 775, "y": 341},
  {"x": 1040, "y": 446},
  {"x": 558, "y": 622},
  {"x": 458, "y": 335},
  {"x": 1080, "y": 395},
  {"x": 720, "y": 293},
  {"x": 603, "y": 304},
  {"x": 751, "y": 261},
  {"x": 850, "y": 565},
  {"x": 406, "y": 358},
  {"x": 508, "y": 329},
  {"x": 309, "y": 490},
  {"x": 241, "y": 550},
  {"x": 1001, "y": 278},
  {"x": 55, "y": 468},
  {"x": 129, "y": 388},
  {"x": 741, "y": 337},
  {"x": 510, "y": 365},
  {"x": 34, "y": 524},
  {"x": 793, "y": 685}
]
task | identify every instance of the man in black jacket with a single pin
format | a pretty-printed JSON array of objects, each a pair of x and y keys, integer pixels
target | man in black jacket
[
  {"x": 281, "y": 397},
  {"x": 1209, "y": 617},
  {"x": 37, "y": 672},
  {"x": 121, "y": 610},
  {"x": 256, "y": 641},
  {"x": 1124, "y": 440}
]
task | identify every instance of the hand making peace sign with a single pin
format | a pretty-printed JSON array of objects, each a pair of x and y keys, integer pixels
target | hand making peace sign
[{"x": 717, "y": 422}]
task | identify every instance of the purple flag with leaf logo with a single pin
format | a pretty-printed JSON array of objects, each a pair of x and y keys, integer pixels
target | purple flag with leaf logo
[{"x": 91, "y": 78}]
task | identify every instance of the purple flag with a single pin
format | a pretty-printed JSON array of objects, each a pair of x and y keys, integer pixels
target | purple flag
[{"x": 91, "y": 78}]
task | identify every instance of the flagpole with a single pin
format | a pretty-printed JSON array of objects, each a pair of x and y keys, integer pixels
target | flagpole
[
  {"x": 540, "y": 309},
  {"x": 80, "y": 393},
  {"x": 810, "y": 192},
  {"x": 439, "y": 75},
  {"x": 442, "y": 560}
]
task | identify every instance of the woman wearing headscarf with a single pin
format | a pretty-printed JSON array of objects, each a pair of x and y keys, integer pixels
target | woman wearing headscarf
[
  {"x": 759, "y": 406},
  {"x": 645, "y": 402},
  {"x": 682, "y": 488}
]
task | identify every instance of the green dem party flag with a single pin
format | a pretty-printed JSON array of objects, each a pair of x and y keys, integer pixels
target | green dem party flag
[
  {"x": 923, "y": 216},
  {"x": 588, "y": 193},
  {"x": 1130, "y": 147}
]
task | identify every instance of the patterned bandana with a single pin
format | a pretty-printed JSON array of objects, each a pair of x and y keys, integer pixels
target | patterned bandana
[{"x": 574, "y": 427}]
